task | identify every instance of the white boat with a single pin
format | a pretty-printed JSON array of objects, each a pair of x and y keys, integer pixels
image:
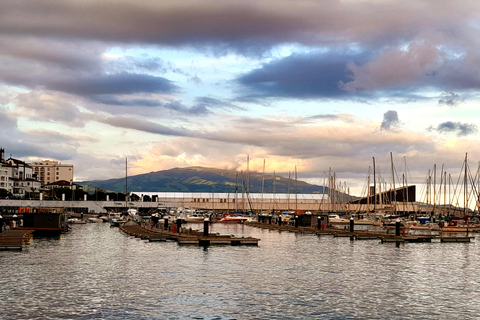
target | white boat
[
  {"x": 117, "y": 219},
  {"x": 76, "y": 221},
  {"x": 233, "y": 218},
  {"x": 335, "y": 219},
  {"x": 94, "y": 219},
  {"x": 195, "y": 218}
]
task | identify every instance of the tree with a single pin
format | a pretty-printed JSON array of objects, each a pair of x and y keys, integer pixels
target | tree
[
  {"x": 4, "y": 194},
  {"x": 134, "y": 197}
]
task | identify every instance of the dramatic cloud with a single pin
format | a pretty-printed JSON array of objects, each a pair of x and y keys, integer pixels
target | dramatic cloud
[
  {"x": 462, "y": 129},
  {"x": 450, "y": 99},
  {"x": 300, "y": 76},
  {"x": 390, "y": 119},
  {"x": 122, "y": 83},
  {"x": 144, "y": 125},
  {"x": 171, "y": 83},
  {"x": 49, "y": 108},
  {"x": 396, "y": 68}
]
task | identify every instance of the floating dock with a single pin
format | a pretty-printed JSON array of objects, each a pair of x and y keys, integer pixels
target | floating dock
[
  {"x": 15, "y": 239},
  {"x": 187, "y": 236},
  {"x": 384, "y": 237}
]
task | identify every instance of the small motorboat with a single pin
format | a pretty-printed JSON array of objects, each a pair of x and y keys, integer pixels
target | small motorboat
[
  {"x": 76, "y": 221},
  {"x": 195, "y": 218},
  {"x": 335, "y": 219},
  {"x": 233, "y": 218},
  {"x": 94, "y": 219}
]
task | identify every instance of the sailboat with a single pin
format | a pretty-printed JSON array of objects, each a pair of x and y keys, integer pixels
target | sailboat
[{"x": 119, "y": 218}]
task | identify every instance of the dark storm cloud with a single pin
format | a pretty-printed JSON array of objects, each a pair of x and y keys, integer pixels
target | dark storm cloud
[
  {"x": 301, "y": 76},
  {"x": 390, "y": 118},
  {"x": 461, "y": 129}
]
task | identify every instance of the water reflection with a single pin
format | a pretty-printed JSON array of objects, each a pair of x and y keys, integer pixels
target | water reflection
[{"x": 98, "y": 272}]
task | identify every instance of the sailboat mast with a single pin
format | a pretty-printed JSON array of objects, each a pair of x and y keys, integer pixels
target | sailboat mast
[
  {"x": 394, "y": 195},
  {"x": 296, "y": 189},
  {"x": 236, "y": 191},
  {"x": 465, "y": 188},
  {"x": 274, "y": 191},
  {"x": 368, "y": 191},
  {"x": 248, "y": 174},
  {"x": 263, "y": 183},
  {"x": 288, "y": 191},
  {"x": 374, "y": 187},
  {"x": 126, "y": 183},
  {"x": 434, "y": 186}
]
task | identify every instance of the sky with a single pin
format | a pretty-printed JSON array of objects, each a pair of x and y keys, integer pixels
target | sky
[{"x": 306, "y": 85}]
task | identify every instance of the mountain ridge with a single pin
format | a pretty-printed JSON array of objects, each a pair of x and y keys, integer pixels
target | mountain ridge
[{"x": 204, "y": 179}]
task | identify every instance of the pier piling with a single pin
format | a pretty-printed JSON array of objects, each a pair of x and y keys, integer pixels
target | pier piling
[
  {"x": 397, "y": 228},
  {"x": 206, "y": 222}
]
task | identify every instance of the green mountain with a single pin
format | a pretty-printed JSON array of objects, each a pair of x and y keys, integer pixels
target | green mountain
[{"x": 200, "y": 179}]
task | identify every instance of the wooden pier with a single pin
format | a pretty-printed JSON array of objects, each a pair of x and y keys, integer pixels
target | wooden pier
[
  {"x": 187, "y": 236},
  {"x": 384, "y": 237},
  {"x": 15, "y": 239}
]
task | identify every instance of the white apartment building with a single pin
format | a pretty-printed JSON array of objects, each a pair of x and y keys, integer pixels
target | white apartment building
[
  {"x": 21, "y": 179},
  {"x": 5, "y": 182},
  {"x": 49, "y": 171}
]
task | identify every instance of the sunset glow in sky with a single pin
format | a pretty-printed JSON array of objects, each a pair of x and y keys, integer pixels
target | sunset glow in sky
[{"x": 306, "y": 84}]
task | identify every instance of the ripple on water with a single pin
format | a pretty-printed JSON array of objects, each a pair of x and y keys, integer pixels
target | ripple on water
[{"x": 97, "y": 272}]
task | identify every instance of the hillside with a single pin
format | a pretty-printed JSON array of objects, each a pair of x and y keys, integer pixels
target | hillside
[{"x": 201, "y": 179}]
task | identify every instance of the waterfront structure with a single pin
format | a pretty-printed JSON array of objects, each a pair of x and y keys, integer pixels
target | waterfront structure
[
  {"x": 49, "y": 171},
  {"x": 255, "y": 202},
  {"x": 61, "y": 184}
]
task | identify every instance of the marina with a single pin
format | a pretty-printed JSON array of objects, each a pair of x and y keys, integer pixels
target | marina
[{"x": 100, "y": 272}]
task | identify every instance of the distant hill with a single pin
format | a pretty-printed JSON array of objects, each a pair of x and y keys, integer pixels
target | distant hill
[{"x": 201, "y": 179}]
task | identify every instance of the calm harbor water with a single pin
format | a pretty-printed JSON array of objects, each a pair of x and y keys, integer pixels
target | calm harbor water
[{"x": 98, "y": 272}]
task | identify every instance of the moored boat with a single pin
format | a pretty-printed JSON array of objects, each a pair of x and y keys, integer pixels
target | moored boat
[
  {"x": 195, "y": 218},
  {"x": 233, "y": 218},
  {"x": 76, "y": 221},
  {"x": 45, "y": 221},
  {"x": 336, "y": 219}
]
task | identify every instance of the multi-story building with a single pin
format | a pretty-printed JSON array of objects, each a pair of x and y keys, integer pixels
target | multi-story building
[
  {"x": 21, "y": 178},
  {"x": 49, "y": 171},
  {"x": 5, "y": 182},
  {"x": 18, "y": 177}
]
